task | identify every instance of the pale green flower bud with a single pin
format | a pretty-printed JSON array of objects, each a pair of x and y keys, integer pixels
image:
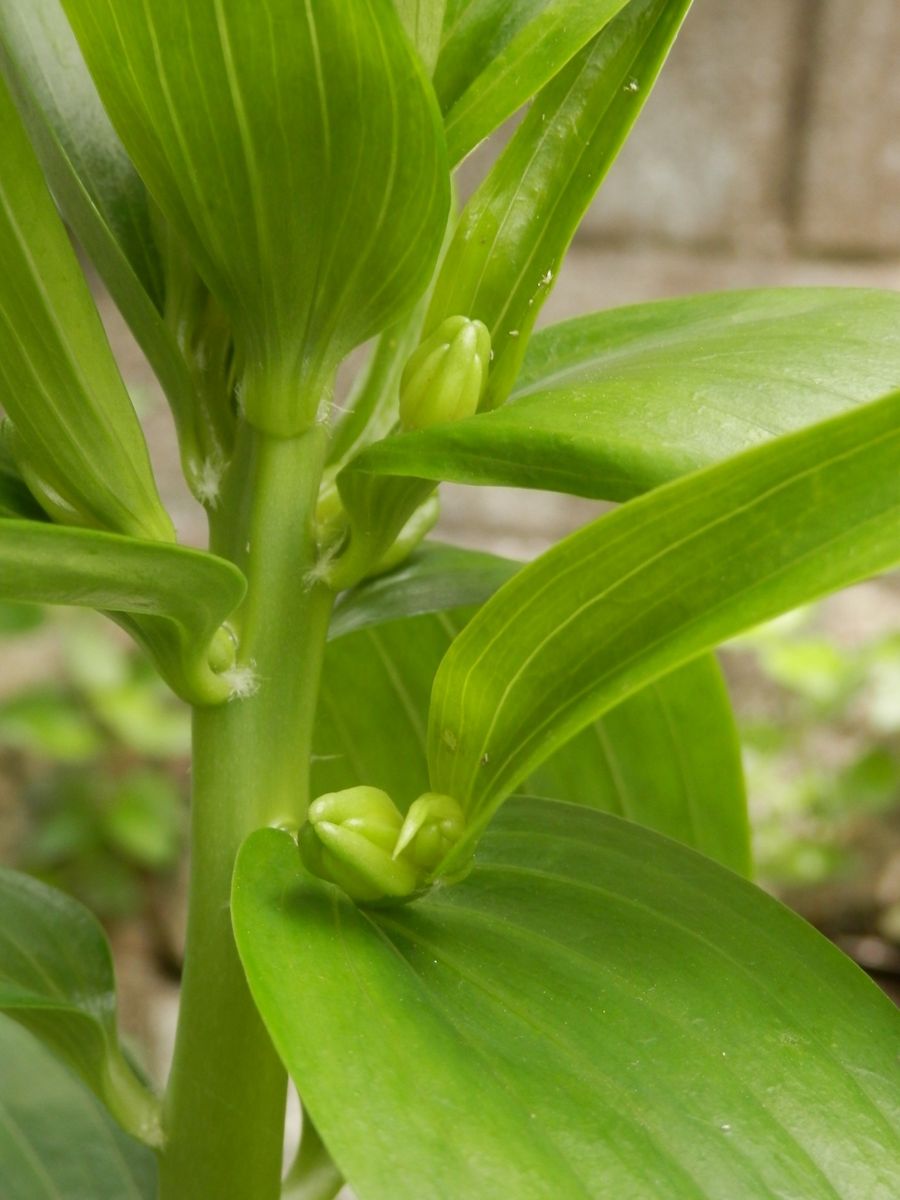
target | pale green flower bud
[
  {"x": 349, "y": 839},
  {"x": 446, "y": 375},
  {"x": 433, "y": 826}
]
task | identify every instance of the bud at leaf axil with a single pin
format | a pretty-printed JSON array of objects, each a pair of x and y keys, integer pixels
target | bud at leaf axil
[
  {"x": 446, "y": 375},
  {"x": 349, "y": 839},
  {"x": 433, "y": 826}
]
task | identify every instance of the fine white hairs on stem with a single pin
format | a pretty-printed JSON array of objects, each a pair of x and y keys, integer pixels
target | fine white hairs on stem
[{"x": 243, "y": 681}]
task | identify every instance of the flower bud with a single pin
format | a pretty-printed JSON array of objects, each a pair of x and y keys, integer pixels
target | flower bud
[
  {"x": 433, "y": 826},
  {"x": 349, "y": 840},
  {"x": 445, "y": 377}
]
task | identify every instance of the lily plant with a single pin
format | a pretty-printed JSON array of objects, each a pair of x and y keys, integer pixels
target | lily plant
[{"x": 469, "y": 849}]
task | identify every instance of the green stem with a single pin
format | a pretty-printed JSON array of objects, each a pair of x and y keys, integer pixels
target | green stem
[{"x": 225, "y": 1103}]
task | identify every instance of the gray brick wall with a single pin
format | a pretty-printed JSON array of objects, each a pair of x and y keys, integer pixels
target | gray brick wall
[{"x": 776, "y": 123}]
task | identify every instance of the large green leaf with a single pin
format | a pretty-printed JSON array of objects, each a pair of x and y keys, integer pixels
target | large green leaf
[
  {"x": 612, "y": 404},
  {"x": 497, "y": 53},
  {"x": 514, "y": 232},
  {"x": 298, "y": 150},
  {"x": 595, "y": 1011},
  {"x": 99, "y": 193},
  {"x": 173, "y": 600},
  {"x": 654, "y": 584},
  {"x": 56, "y": 979},
  {"x": 668, "y": 757},
  {"x": 78, "y": 441},
  {"x": 56, "y": 1141}
]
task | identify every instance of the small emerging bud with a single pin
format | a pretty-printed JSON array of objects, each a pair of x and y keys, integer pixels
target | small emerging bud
[
  {"x": 433, "y": 826},
  {"x": 446, "y": 375},
  {"x": 349, "y": 839}
]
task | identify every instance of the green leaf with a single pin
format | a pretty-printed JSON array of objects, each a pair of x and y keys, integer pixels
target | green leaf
[
  {"x": 423, "y": 21},
  {"x": 514, "y": 232},
  {"x": 434, "y": 578},
  {"x": 80, "y": 152},
  {"x": 652, "y": 759},
  {"x": 98, "y": 191},
  {"x": 496, "y": 55},
  {"x": 595, "y": 1011},
  {"x": 668, "y": 758},
  {"x": 77, "y": 439},
  {"x": 615, "y": 403},
  {"x": 298, "y": 151},
  {"x": 653, "y": 585},
  {"x": 56, "y": 979},
  {"x": 56, "y": 1141},
  {"x": 15, "y": 498},
  {"x": 173, "y": 600}
]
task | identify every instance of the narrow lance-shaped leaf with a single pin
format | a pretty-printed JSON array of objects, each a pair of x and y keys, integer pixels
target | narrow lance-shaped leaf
[
  {"x": 173, "y": 600},
  {"x": 56, "y": 1140},
  {"x": 668, "y": 757},
  {"x": 99, "y": 194},
  {"x": 56, "y": 979},
  {"x": 309, "y": 182},
  {"x": 612, "y": 404},
  {"x": 515, "y": 230},
  {"x": 595, "y": 1011},
  {"x": 654, "y": 584},
  {"x": 497, "y": 53},
  {"x": 80, "y": 446}
]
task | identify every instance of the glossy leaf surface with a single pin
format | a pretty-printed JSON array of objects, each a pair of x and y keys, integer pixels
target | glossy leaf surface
[
  {"x": 594, "y": 1011},
  {"x": 96, "y": 188},
  {"x": 76, "y": 430},
  {"x": 667, "y": 757},
  {"x": 615, "y": 403},
  {"x": 654, "y": 584},
  {"x": 513, "y": 233},
  {"x": 56, "y": 1141},
  {"x": 298, "y": 151},
  {"x": 56, "y": 979},
  {"x": 497, "y": 54},
  {"x": 172, "y": 599}
]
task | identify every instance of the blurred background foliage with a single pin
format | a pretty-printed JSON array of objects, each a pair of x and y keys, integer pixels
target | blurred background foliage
[{"x": 93, "y": 758}]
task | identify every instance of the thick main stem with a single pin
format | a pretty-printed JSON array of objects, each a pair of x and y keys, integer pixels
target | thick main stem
[{"x": 225, "y": 1102}]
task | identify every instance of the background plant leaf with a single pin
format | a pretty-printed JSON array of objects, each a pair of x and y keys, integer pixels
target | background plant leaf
[
  {"x": 56, "y": 1141},
  {"x": 653, "y": 584},
  {"x": 668, "y": 757},
  {"x": 56, "y": 979},
  {"x": 614, "y": 403},
  {"x": 311, "y": 183},
  {"x": 594, "y": 1011},
  {"x": 73, "y": 419},
  {"x": 514, "y": 231},
  {"x": 172, "y": 599}
]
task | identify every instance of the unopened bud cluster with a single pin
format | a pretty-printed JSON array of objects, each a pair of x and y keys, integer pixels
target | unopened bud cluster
[
  {"x": 360, "y": 840},
  {"x": 446, "y": 375}
]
